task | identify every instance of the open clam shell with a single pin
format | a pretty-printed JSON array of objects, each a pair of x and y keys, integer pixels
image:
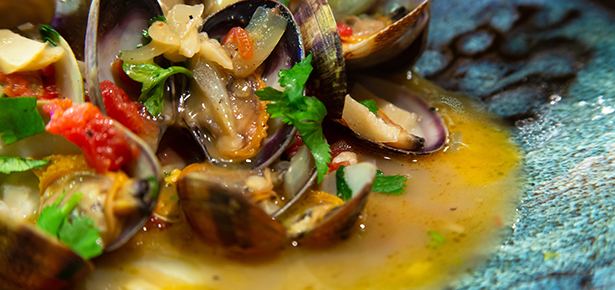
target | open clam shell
[
  {"x": 146, "y": 169},
  {"x": 114, "y": 26},
  {"x": 430, "y": 125},
  {"x": 224, "y": 216},
  {"x": 287, "y": 52},
  {"x": 31, "y": 259},
  {"x": 403, "y": 40}
]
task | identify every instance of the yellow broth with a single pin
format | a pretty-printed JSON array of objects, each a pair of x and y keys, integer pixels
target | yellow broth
[{"x": 467, "y": 193}]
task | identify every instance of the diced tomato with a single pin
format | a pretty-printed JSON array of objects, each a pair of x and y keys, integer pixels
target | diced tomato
[
  {"x": 243, "y": 40},
  {"x": 58, "y": 106},
  {"x": 335, "y": 166},
  {"x": 121, "y": 108},
  {"x": 104, "y": 147},
  {"x": 293, "y": 148},
  {"x": 344, "y": 30},
  {"x": 50, "y": 90},
  {"x": 44, "y": 83},
  {"x": 15, "y": 85},
  {"x": 337, "y": 148}
]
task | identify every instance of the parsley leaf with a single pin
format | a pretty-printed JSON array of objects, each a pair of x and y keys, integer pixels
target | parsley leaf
[
  {"x": 371, "y": 105},
  {"x": 157, "y": 18},
  {"x": 52, "y": 217},
  {"x": 49, "y": 34},
  {"x": 343, "y": 190},
  {"x": 79, "y": 233},
  {"x": 19, "y": 119},
  {"x": 305, "y": 113},
  {"x": 82, "y": 236},
  {"x": 18, "y": 164},
  {"x": 437, "y": 239},
  {"x": 393, "y": 184},
  {"x": 153, "y": 77}
]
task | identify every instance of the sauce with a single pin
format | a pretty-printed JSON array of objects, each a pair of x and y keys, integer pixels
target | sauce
[{"x": 467, "y": 193}]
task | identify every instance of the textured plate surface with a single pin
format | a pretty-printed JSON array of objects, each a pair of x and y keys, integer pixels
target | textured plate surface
[{"x": 548, "y": 67}]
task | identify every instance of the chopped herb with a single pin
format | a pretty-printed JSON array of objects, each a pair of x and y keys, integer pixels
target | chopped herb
[
  {"x": 550, "y": 256},
  {"x": 49, "y": 34},
  {"x": 305, "y": 113},
  {"x": 154, "y": 183},
  {"x": 286, "y": 2},
  {"x": 82, "y": 236},
  {"x": 145, "y": 34},
  {"x": 19, "y": 119},
  {"x": 78, "y": 233},
  {"x": 18, "y": 164},
  {"x": 343, "y": 190},
  {"x": 436, "y": 239},
  {"x": 371, "y": 105},
  {"x": 153, "y": 77},
  {"x": 157, "y": 18},
  {"x": 392, "y": 184}
]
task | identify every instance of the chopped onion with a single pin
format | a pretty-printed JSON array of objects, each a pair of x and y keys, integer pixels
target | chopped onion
[
  {"x": 265, "y": 30},
  {"x": 212, "y": 51}
]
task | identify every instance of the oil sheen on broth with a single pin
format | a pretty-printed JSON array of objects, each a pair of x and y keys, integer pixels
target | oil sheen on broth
[{"x": 467, "y": 193}]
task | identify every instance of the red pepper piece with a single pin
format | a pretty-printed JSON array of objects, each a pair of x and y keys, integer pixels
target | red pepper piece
[{"x": 243, "y": 40}]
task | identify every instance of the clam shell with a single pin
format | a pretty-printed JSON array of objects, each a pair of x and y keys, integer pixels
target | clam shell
[
  {"x": 117, "y": 28},
  {"x": 226, "y": 219},
  {"x": 399, "y": 43},
  {"x": 390, "y": 42},
  {"x": 320, "y": 36},
  {"x": 30, "y": 259},
  {"x": 431, "y": 124},
  {"x": 147, "y": 169},
  {"x": 288, "y": 52}
]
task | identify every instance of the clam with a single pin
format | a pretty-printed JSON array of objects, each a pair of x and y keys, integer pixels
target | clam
[
  {"x": 33, "y": 259},
  {"x": 221, "y": 109},
  {"x": 396, "y": 43},
  {"x": 422, "y": 131},
  {"x": 114, "y": 26},
  {"x": 228, "y": 211},
  {"x": 427, "y": 131}
]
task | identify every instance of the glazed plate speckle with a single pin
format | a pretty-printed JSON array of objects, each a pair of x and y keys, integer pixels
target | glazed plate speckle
[{"x": 548, "y": 68}]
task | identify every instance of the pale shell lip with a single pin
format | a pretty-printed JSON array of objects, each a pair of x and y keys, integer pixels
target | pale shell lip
[{"x": 430, "y": 121}]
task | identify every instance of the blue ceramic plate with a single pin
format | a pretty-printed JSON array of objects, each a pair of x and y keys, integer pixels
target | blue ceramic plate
[{"x": 547, "y": 67}]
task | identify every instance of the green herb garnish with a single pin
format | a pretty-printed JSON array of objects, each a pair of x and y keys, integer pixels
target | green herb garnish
[
  {"x": 157, "y": 18},
  {"x": 18, "y": 164},
  {"x": 153, "y": 77},
  {"x": 78, "y": 233},
  {"x": 50, "y": 35},
  {"x": 343, "y": 190},
  {"x": 392, "y": 184},
  {"x": 19, "y": 119},
  {"x": 371, "y": 105},
  {"x": 305, "y": 113},
  {"x": 437, "y": 239}
]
